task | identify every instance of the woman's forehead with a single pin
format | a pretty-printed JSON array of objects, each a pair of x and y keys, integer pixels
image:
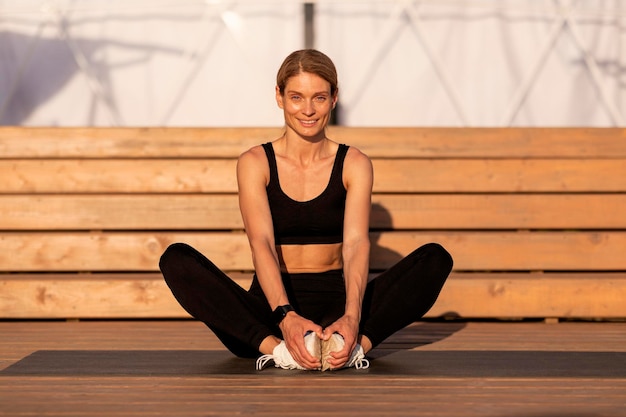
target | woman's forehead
[{"x": 307, "y": 81}]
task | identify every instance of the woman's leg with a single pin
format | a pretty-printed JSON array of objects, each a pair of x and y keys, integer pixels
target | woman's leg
[
  {"x": 405, "y": 292},
  {"x": 238, "y": 318}
]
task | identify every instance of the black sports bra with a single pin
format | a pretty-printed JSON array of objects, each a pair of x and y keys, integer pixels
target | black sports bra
[{"x": 316, "y": 221}]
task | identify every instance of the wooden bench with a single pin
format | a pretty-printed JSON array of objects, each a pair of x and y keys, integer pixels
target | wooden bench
[{"x": 535, "y": 218}]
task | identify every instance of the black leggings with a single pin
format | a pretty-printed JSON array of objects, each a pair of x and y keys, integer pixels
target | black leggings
[{"x": 242, "y": 319}]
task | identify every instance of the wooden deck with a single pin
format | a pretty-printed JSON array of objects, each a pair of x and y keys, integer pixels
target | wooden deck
[{"x": 440, "y": 368}]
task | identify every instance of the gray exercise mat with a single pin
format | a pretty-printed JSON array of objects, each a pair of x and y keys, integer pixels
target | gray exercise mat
[{"x": 479, "y": 364}]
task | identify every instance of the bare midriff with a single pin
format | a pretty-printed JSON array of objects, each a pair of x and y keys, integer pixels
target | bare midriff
[{"x": 309, "y": 258}]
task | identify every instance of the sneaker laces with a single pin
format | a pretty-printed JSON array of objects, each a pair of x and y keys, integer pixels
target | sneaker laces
[
  {"x": 358, "y": 359},
  {"x": 263, "y": 360},
  {"x": 281, "y": 357}
]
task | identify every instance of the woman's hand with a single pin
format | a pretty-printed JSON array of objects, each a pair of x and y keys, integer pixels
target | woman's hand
[
  {"x": 348, "y": 327},
  {"x": 294, "y": 327}
]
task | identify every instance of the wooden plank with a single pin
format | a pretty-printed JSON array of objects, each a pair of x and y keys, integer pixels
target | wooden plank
[
  {"x": 500, "y": 175},
  {"x": 89, "y": 142},
  {"x": 402, "y": 175},
  {"x": 485, "y": 142},
  {"x": 87, "y": 296},
  {"x": 508, "y": 296},
  {"x": 42, "y": 142},
  {"x": 118, "y": 295},
  {"x": 476, "y": 295},
  {"x": 120, "y": 212},
  {"x": 472, "y": 251},
  {"x": 118, "y": 176},
  {"x": 398, "y": 212},
  {"x": 512, "y": 251},
  {"x": 498, "y": 211},
  {"x": 349, "y": 394}
]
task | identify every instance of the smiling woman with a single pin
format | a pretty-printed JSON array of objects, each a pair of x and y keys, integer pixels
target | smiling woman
[
  {"x": 305, "y": 201},
  {"x": 306, "y": 90},
  {"x": 306, "y": 104}
]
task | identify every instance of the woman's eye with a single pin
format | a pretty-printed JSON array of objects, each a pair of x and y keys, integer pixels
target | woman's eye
[
  {"x": 295, "y": 98},
  {"x": 320, "y": 99}
]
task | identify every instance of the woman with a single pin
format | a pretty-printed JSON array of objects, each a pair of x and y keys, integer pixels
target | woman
[{"x": 305, "y": 202}]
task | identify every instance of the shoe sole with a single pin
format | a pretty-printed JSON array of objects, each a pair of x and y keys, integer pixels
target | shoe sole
[
  {"x": 314, "y": 346},
  {"x": 331, "y": 345}
]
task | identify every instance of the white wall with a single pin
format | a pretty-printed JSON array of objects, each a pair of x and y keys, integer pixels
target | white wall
[
  {"x": 176, "y": 63},
  {"x": 479, "y": 63},
  {"x": 401, "y": 63}
]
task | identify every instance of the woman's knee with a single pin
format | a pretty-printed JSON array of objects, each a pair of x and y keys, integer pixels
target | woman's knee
[
  {"x": 173, "y": 254},
  {"x": 438, "y": 257}
]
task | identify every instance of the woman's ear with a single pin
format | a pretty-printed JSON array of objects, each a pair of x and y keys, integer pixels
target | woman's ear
[
  {"x": 335, "y": 98},
  {"x": 279, "y": 98}
]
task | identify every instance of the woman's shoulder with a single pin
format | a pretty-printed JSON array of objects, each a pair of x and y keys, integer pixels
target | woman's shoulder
[
  {"x": 252, "y": 162},
  {"x": 357, "y": 167},
  {"x": 358, "y": 157},
  {"x": 254, "y": 154}
]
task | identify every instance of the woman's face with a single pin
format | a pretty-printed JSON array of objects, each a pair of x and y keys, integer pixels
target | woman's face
[{"x": 307, "y": 104}]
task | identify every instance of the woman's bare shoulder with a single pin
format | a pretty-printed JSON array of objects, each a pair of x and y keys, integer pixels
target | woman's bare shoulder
[
  {"x": 357, "y": 158},
  {"x": 253, "y": 158},
  {"x": 254, "y": 152},
  {"x": 357, "y": 169}
]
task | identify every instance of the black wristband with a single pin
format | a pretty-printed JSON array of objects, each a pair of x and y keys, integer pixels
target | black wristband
[{"x": 280, "y": 312}]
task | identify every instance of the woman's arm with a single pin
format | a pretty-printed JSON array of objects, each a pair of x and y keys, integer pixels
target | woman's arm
[
  {"x": 358, "y": 178},
  {"x": 252, "y": 179}
]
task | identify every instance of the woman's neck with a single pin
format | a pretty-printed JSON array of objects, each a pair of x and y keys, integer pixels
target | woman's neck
[{"x": 305, "y": 151}]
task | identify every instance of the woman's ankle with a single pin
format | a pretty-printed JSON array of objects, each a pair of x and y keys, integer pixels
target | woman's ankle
[
  {"x": 365, "y": 343},
  {"x": 268, "y": 344}
]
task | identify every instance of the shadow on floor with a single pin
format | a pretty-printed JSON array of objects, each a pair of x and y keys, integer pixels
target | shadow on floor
[{"x": 416, "y": 335}]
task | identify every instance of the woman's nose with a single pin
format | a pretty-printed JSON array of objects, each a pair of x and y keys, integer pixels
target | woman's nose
[{"x": 309, "y": 108}]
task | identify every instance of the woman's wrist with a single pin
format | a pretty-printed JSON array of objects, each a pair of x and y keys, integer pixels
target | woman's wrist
[{"x": 280, "y": 312}]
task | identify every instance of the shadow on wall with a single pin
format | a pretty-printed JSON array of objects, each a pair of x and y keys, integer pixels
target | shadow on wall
[
  {"x": 34, "y": 70},
  {"x": 380, "y": 220},
  {"x": 419, "y": 334}
]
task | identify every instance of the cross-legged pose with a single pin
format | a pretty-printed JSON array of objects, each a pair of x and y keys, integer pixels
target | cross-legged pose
[{"x": 305, "y": 201}]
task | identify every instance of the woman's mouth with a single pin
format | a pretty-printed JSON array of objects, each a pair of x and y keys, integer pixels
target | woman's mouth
[{"x": 308, "y": 123}]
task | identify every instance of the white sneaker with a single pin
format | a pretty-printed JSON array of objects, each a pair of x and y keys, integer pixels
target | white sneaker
[
  {"x": 336, "y": 343},
  {"x": 283, "y": 359}
]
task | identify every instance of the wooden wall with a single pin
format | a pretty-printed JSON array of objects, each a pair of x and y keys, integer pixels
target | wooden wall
[{"x": 533, "y": 217}]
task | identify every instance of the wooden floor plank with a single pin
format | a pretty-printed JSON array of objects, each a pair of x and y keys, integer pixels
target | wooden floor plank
[
  {"x": 288, "y": 393},
  {"x": 471, "y": 398}
]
